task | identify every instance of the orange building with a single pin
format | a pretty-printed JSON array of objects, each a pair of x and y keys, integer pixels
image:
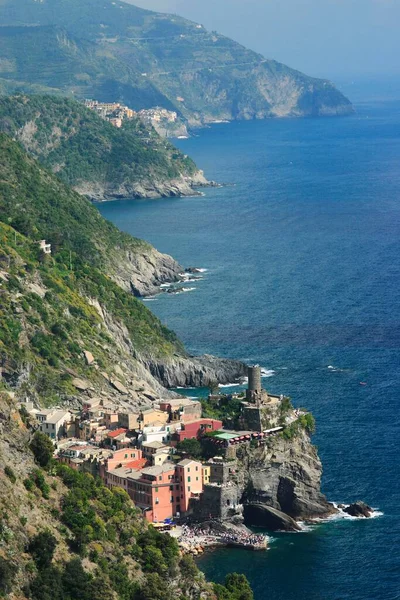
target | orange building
[{"x": 155, "y": 491}]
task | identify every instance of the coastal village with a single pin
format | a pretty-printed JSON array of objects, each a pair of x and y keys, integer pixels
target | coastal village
[
  {"x": 146, "y": 453},
  {"x": 165, "y": 122}
]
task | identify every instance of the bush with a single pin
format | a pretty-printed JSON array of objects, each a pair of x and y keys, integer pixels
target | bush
[
  {"x": 10, "y": 474},
  {"x": 191, "y": 447},
  {"x": 42, "y": 447},
  {"x": 29, "y": 484},
  {"x": 42, "y": 548},
  {"x": 188, "y": 567},
  {"x": 7, "y": 574},
  {"x": 38, "y": 478},
  {"x": 236, "y": 587}
]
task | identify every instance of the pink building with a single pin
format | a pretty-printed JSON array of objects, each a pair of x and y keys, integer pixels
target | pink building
[
  {"x": 196, "y": 429},
  {"x": 119, "y": 458},
  {"x": 190, "y": 476},
  {"x": 156, "y": 492}
]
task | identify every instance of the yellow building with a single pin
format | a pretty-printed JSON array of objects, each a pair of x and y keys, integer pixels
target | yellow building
[{"x": 206, "y": 474}]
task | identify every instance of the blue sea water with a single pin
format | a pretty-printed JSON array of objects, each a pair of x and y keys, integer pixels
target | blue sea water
[{"x": 303, "y": 259}]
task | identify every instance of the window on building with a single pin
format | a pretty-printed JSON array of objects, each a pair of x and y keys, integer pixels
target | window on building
[
  {"x": 197, "y": 478},
  {"x": 188, "y": 488},
  {"x": 189, "y": 479},
  {"x": 188, "y": 469},
  {"x": 181, "y": 495},
  {"x": 156, "y": 490},
  {"x": 172, "y": 498},
  {"x": 197, "y": 468},
  {"x": 157, "y": 501},
  {"x": 171, "y": 487},
  {"x": 160, "y": 478}
]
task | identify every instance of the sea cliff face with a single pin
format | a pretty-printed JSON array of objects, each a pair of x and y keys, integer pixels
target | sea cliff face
[
  {"x": 151, "y": 188},
  {"x": 284, "y": 475},
  {"x": 196, "y": 371}
]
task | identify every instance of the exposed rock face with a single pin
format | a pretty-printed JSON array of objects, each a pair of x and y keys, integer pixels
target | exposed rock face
[
  {"x": 359, "y": 509},
  {"x": 152, "y": 188},
  {"x": 284, "y": 475},
  {"x": 196, "y": 371},
  {"x": 261, "y": 515},
  {"x": 142, "y": 272}
]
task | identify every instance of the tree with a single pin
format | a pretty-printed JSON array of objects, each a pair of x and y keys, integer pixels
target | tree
[
  {"x": 188, "y": 567},
  {"x": 155, "y": 588},
  {"x": 213, "y": 387},
  {"x": 42, "y": 447},
  {"x": 76, "y": 582},
  {"x": 47, "y": 585},
  {"x": 42, "y": 548},
  {"x": 7, "y": 574},
  {"x": 238, "y": 586},
  {"x": 191, "y": 447}
]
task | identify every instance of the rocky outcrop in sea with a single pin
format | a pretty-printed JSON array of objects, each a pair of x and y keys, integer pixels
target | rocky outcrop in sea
[{"x": 196, "y": 371}]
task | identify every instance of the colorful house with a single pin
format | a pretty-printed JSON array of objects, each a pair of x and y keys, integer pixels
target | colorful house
[
  {"x": 196, "y": 429},
  {"x": 155, "y": 490},
  {"x": 190, "y": 476}
]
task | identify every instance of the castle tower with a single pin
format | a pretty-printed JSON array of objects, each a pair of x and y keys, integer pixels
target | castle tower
[
  {"x": 254, "y": 389},
  {"x": 254, "y": 375}
]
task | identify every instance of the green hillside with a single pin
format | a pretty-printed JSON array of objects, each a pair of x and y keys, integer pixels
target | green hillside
[
  {"x": 115, "y": 51},
  {"x": 53, "y": 307},
  {"x": 88, "y": 152}
]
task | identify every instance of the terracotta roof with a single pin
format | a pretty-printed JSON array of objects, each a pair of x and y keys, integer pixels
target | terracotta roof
[
  {"x": 137, "y": 464},
  {"x": 117, "y": 432}
]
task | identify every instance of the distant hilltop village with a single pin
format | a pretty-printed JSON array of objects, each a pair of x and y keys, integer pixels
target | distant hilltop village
[
  {"x": 165, "y": 122},
  {"x": 147, "y": 452}
]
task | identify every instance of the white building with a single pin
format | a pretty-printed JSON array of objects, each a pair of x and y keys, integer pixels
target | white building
[{"x": 55, "y": 424}]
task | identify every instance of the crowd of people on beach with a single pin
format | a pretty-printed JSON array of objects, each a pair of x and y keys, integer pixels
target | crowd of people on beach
[{"x": 199, "y": 535}]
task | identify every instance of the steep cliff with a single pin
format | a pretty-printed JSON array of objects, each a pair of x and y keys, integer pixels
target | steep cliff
[
  {"x": 39, "y": 205},
  {"x": 98, "y": 160},
  {"x": 79, "y": 298},
  {"x": 115, "y": 51},
  {"x": 284, "y": 475},
  {"x": 196, "y": 371}
]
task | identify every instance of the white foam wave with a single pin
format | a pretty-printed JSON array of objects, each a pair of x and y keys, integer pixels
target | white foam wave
[
  {"x": 267, "y": 373},
  {"x": 341, "y": 514},
  {"x": 227, "y": 385},
  {"x": 149, "y": 299}
]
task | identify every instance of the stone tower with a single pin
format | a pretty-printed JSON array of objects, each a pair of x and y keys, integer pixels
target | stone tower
[{"x": 254, "y": 389}]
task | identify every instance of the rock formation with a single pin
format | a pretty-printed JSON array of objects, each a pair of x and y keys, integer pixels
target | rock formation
[
  {"x": 196, "y": 371},
  {"x": 285, "y": 475},
  {"x": 359, "y": 509}
]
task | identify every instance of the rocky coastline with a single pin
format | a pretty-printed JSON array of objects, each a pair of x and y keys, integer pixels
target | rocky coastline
[
  {"x": 150, "y": 189},
  {"x": 195, "y": 371}
]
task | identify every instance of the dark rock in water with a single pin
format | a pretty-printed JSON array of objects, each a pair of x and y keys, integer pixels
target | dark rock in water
[
  {"x": 359, "y": 509},
  {"x": 196, "y": 371},
  {"x": 261, "y": 515}
]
